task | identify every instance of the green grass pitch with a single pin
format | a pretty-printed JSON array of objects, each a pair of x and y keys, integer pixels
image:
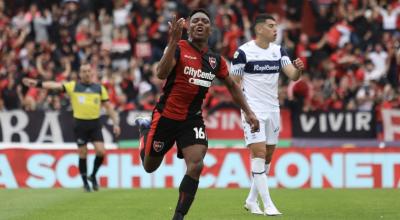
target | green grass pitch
[{"x": 210, "y": 204}]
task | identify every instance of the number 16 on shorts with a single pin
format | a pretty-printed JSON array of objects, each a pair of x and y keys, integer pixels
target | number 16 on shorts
[{"x": 199, "y": 132}]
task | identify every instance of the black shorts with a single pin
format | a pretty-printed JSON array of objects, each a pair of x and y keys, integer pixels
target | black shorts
[
  {"x": 164, "y": 132},
  {"x": 87, "y": 131}
]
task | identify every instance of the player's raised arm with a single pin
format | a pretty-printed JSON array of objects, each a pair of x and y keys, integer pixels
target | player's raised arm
[
  {"x": 238, "y": 97},
  {"x": 40, "y": 84},
  {"x": 168, "y": 61}
]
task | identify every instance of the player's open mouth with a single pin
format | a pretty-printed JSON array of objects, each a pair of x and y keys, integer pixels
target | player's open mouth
[{"x": 200, "y": 30}]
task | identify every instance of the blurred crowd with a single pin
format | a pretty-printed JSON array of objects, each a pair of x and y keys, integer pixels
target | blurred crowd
[{"x": 351, "y": 52}]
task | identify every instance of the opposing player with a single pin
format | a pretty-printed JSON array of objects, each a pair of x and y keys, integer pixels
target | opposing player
[
  {"x": 189, "y": 69},
  {"x": 257, "y": 65},
  {"x": 86, "y": 98}
]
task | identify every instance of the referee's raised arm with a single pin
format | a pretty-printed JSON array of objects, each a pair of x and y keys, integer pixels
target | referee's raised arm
[{"x": 42, "y": 84}]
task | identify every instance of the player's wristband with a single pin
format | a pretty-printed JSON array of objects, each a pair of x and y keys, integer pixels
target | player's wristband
[{"x": 39, "y": 83}]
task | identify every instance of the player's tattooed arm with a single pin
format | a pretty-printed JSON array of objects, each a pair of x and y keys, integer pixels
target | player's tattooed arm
[{"x": 168, "y": 61}]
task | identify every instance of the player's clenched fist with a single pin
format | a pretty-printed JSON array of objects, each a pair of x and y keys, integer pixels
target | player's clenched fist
[
  {"x": 298, "y": 64},
  {"x": 253, "y": 121}
]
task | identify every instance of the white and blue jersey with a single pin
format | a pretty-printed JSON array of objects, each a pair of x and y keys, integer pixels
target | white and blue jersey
[{"x": 260, "y": 70}]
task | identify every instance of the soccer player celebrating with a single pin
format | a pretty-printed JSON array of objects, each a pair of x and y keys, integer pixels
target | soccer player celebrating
[
  {"x": 86, "y": 98},
  {"x": 189, "y": 69},
  {"x": 256, "y": 65}
]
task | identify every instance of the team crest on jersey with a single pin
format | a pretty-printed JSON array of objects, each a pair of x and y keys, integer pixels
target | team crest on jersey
[
  {"x": 235, "y": 55},
  {"x": 213, "y": 62},
  {"x": 158, "y": 146}
]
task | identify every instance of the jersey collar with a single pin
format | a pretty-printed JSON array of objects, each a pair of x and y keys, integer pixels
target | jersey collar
[{"x": 201, "y": 51}]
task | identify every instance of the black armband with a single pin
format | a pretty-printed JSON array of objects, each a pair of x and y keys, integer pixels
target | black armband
[{"x": 39, "y": 83}]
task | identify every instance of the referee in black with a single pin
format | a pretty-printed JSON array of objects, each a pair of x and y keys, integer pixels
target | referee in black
[{"x": 86, "y": 98}]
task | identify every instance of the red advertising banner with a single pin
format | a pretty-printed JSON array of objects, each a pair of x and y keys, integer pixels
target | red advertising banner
[
  {"x": 291, "y": 168},
  {"x": 52, "y": 127},
  {"x": 226, "y": 123},
  {"x": 391, "y": 124},
  {"x": 286, "y": 124}
]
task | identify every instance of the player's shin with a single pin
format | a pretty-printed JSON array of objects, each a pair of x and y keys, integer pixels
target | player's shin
[
  {"x": 267, "y": 167},
  {"x": 142, "y": 142},
  {"x": 83, "y": 170},
  {"x": 97, "y": 163},
  {"x": 92, "y": 178},
  {"x": 141, "y": 148},
  {"x": 187, "y": 192},
  {"x": 253, "y": 194},
  {"x": 260, "y": 179}
]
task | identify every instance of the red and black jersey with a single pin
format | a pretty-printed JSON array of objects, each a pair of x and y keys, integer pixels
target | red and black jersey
[{"x": 188, "y": 82}]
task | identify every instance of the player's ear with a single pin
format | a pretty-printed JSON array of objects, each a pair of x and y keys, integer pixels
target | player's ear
[{"x": 257, "y": 29}]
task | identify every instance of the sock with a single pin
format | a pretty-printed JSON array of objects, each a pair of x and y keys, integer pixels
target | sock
[
  {"x": 187, "y": 191},
  {"x": 97, "y": 163},
  {"x": 177, "y": 216},
  {"x": 142, "y": 153},
  {"x": 143, "y": 124},
  {"x": 260, "y": 179},
  {"x": 83, "y": 170},
  {"x": 252, "y": 197},
  {"x": 144, "y": 130},
  {"x": 179, "y": 153},
  {"x": 267, "y": 166}
]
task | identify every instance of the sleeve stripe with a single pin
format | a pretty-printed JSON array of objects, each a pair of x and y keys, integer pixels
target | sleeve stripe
[
  {"x": 285, "y": 61},
  {"x": 237, "y": 73},
  {"x": 237, "y": 70}
]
